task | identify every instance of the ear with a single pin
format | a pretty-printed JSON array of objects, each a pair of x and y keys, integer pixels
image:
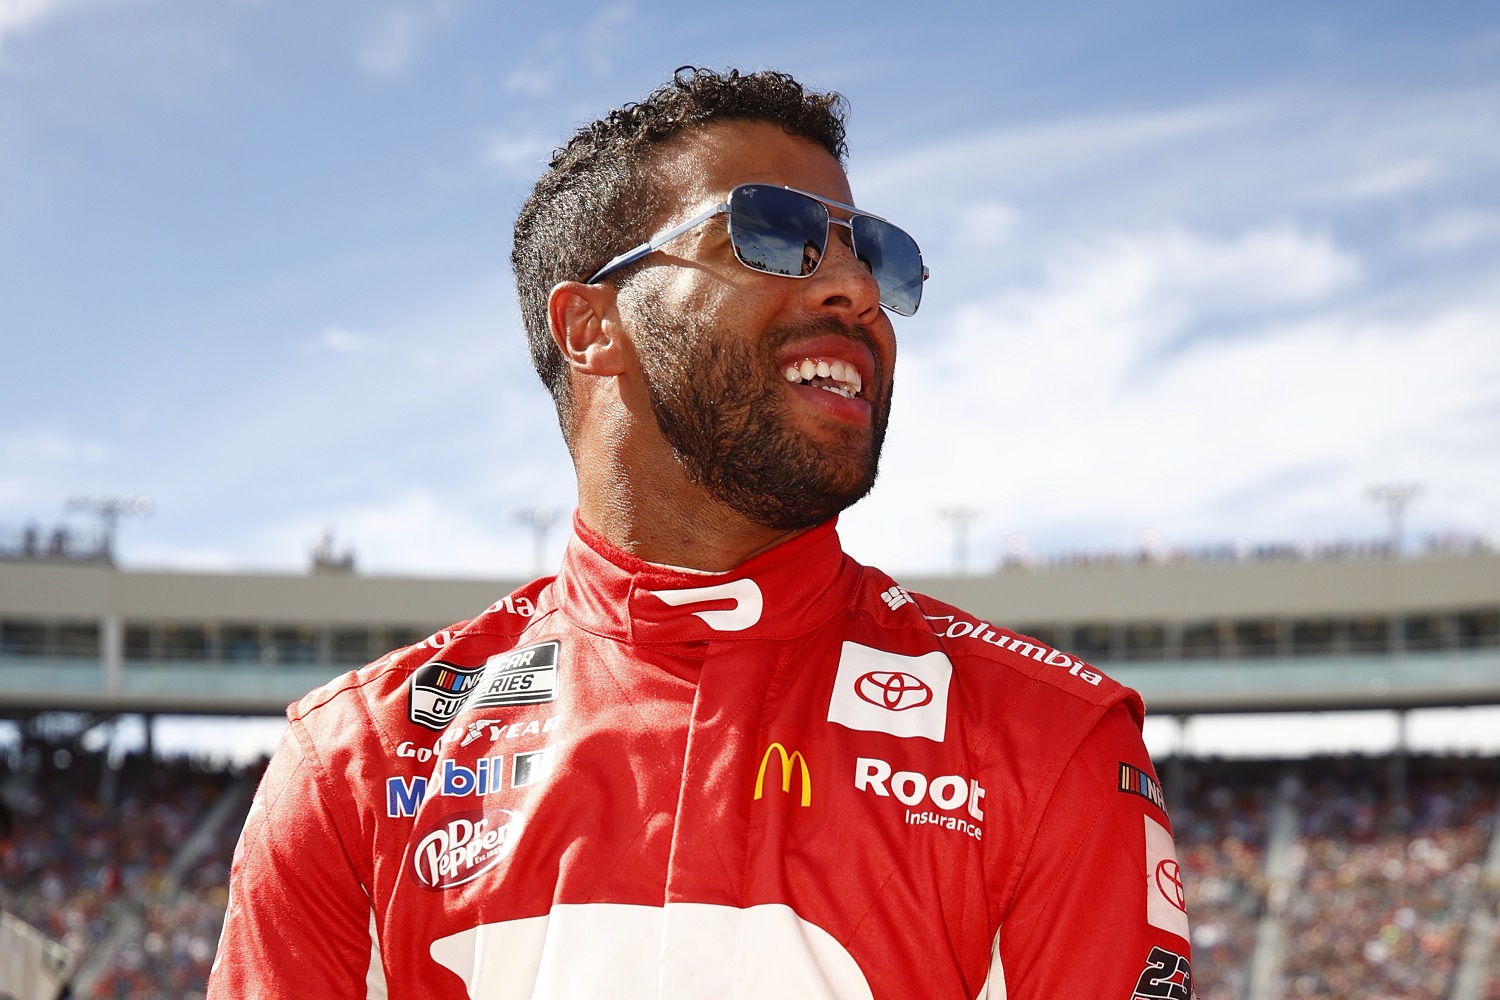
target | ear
[{"x": 586, "y": 327}]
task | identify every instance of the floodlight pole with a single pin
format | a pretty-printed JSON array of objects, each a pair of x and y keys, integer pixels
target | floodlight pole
[
  {"x": 540, "y": 519},
  {"x": 960, "y": 518},
  {"x": 1394, "y": 498},
  {"x": 109, "y": 510}
]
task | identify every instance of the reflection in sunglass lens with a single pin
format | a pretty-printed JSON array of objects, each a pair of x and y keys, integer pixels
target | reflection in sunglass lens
[
  {"x": 893, "y": 259},
  {"x": 777, "y": 231}
]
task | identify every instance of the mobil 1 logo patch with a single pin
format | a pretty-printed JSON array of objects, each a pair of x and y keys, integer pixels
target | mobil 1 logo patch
[
  {"x": 438, "y": 691},
  {"x": 526, "y": 676}
]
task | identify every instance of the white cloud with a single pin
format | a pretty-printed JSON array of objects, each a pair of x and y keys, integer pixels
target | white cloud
[
  {"x": 422, "y": 531},
  {"x": 50, "y": 448},
  {"x": 17, "y": 16},
  {"x": 1019, "y": 155},
  {"x": 341, "y": 341},
  {"x": 150, "y": 555},
  {"x": 603, "y": 36},
  {"x": 555, "y": 56},
  {"x": 1080, "y": 403},
  {"x": 984, "y": 225},
  {"x": 1387, "y": 180},
  {"x": 532, "y": 81},
  {"x": 1458, "y": 230},
  {"x": 518, "y": 155}
]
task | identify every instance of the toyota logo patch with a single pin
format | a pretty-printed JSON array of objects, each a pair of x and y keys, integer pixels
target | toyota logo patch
[
  {"x": 893, "y": 690},
  {"x": 1169, "y": 883}
]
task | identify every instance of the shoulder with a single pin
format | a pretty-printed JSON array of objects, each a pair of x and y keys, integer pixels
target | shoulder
[
  {"x": 411, "y": 693},
  {"x": 1005, "y": 685},
  {"x": 990, "y": 658}
]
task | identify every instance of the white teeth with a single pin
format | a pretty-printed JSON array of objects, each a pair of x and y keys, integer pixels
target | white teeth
[{"x": 842, "y": 377}]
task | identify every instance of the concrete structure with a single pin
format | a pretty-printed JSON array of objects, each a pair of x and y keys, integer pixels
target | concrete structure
[{"x": 1275, "y": 634}]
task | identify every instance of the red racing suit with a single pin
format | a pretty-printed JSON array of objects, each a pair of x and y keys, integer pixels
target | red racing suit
[{"x": 794, "y": 779}]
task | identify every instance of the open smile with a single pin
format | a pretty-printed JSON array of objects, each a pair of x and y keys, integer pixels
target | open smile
[{"x": 832, "y": 374}]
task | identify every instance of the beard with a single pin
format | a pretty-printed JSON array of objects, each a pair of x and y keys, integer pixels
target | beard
[{"x": 719, "y": 406}]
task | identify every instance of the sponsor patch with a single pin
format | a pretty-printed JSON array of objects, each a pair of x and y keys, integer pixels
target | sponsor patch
[
  {"x": 895, "y": 597},
  {"x": 1138, "y": 782},
  {"x": 893, "y": 690},
  {"x": 1166, "y": 900},
  {"x": 462, "y": 846},
  {"x": 526, "y": 676},
  {"x": 529, "y": 768},
  {"x": 791, "y": 765},
  {"x": 1021, "y": 645},
  {"x": 959, "y": 801},
  {"x": 405, "y": 794},
  {"x": 883, "y": 692},
  {"x": 437, "y": 692},
  {"x": 746, "y": 595},
  {"x": 1167, "y": 976}
]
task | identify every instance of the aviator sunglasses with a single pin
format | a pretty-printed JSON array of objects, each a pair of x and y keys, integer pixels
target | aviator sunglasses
[{"x": 781, "y": 230}]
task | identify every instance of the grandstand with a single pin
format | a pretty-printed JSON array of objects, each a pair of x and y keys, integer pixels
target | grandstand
[{"x": 1319, "y": 877}]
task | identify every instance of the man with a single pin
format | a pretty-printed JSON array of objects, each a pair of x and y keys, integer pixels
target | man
[{"x": 713, "y": 756}]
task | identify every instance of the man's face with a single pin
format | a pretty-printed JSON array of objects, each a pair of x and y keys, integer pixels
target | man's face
[{"x": 724, "y": 349}]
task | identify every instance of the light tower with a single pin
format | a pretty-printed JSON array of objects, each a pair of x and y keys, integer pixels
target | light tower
[
  {"x": 540, "y": 520},
  {"x": 109, "y": 510},
  {"x": 959, "y": 518},
  {"x": 1395, "y": 497}
]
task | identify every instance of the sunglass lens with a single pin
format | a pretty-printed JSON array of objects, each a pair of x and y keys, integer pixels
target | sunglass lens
[
  {"x": 894, "y": 260},
  {"x": 777, "y": 231}
]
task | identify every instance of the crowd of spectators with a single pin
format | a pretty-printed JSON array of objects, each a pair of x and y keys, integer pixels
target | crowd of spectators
[
  {"x": 1236, "y": 553},
  {"x": 91, "y": 849},
  {"x": 1220, "y": 819},
  {"x": 1489, "y": 896},
  {"x": 1386, "y": 883}
]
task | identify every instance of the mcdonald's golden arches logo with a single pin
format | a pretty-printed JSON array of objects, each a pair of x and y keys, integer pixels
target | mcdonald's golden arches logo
[{"x": 787, "y": 761}]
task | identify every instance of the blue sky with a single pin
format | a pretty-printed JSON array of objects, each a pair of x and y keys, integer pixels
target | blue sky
[{"x": 1209, "y": 270}]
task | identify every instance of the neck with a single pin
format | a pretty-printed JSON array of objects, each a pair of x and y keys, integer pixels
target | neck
[
  {"x": 672, "y": 524},
  {"x": 632, "y": 489}
]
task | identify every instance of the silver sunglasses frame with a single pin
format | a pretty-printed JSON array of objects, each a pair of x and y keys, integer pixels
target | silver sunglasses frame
[{"x": 661, "y": 239}]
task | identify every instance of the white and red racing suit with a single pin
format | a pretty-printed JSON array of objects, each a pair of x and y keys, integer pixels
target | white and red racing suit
[{"x": 794, "y": 779}]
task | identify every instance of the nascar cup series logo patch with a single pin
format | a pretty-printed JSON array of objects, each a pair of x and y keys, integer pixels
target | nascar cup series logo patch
[
  {"x": 883, "y": 692},
  {"x": 525, "y": 676},
  {"x": 438, "y": 691}
]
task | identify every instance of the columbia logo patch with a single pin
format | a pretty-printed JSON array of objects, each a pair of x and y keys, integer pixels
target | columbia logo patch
[{"x": 896, "y": 597}]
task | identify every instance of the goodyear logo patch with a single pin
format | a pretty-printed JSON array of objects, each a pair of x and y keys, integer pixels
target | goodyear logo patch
[{"x": 437, "y": 692}]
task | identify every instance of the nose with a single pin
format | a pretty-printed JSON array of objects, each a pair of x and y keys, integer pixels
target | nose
[{"x": 841, "y": 282}]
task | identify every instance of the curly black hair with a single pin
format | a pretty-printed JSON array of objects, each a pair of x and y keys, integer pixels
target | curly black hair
[{"x": 599, "y": 198}]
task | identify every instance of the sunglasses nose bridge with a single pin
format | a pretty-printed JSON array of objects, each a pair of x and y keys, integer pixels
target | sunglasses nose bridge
[{"x": 840, "y": 272}]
